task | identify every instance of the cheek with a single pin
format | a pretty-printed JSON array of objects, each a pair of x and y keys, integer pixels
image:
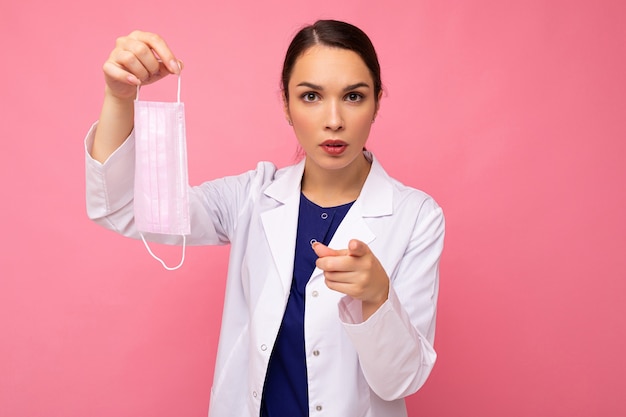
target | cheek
[
  {"x": 303, "y": 121},
  {"x": 363, "y": 121}
]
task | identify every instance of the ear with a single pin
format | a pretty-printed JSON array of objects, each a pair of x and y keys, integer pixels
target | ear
[
  {"x": 286, "y": 109},
  {"x": 380, "y": 95}
]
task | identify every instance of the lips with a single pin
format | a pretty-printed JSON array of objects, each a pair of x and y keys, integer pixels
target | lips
[
  {"x": 334, "y": 142},
  {"x": 334, "y": 146}
]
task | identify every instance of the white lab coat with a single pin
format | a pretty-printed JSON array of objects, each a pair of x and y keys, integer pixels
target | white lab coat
[{"x": 355, "y": 368}]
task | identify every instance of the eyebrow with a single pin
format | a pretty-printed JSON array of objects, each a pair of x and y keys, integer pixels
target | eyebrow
[{"x": 319, "y": 87}]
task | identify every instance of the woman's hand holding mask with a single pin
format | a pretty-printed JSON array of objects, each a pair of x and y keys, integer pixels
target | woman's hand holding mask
[{"x": 138, "y": 59}]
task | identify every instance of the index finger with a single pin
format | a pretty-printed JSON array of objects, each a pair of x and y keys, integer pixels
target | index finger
[{"x": 322, "y": 250}]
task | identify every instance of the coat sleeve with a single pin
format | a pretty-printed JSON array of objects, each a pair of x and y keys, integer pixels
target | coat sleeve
[
  {"x": 214, "y": 206},
  {"x": 395, "y": 345}
]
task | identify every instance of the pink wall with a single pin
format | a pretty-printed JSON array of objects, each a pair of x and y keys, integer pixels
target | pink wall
[{"x": 511, "y": 114}]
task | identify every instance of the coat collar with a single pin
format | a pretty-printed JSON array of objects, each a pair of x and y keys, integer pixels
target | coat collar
[{"x": 375, "y": 198}]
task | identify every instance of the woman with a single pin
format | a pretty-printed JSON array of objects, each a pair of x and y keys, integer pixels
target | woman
[{"x": 333, "y": 233}]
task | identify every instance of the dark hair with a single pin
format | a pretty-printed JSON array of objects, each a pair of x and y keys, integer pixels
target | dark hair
[{"x": 335, "y": 34}]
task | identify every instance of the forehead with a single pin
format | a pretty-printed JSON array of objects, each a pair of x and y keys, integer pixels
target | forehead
[{"x": 328, "y": 65}]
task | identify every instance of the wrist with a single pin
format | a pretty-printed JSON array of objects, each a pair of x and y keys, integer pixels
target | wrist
[
  {"x": 118, "y": 98},
  {"x": 371, "y": 305}
]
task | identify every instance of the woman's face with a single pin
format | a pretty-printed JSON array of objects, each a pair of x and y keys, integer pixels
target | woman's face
[{"x": 331, "y": 105}]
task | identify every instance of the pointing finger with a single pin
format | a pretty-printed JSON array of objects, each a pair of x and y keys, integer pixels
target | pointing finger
[{"x": 322, "y": 250}]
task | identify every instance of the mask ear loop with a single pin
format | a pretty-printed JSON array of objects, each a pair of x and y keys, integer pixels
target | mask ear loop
[{"x": 169, "y": 268}]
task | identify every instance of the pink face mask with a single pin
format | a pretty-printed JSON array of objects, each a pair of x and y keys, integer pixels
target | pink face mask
[{"x": 161, "y": 181}]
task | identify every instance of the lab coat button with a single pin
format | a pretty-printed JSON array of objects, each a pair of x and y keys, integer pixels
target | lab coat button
[
  {"x": 324, "y": 216},
  {"x": 263, "y": 348},
  {"x": 315, "y": 293},
  {"x": 318, "y": 407},
  {"x": 316, "y": 353},
  {"x": 254, "y": 394}
]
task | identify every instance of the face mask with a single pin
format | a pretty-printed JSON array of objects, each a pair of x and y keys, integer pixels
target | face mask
[{"x": 161, "y": 195}]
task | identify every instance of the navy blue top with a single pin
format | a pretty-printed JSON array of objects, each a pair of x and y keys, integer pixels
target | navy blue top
[{"x": 285, "y": 393}]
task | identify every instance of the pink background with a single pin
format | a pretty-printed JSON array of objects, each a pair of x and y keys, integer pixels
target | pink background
[{"x": 511, "y": 114}]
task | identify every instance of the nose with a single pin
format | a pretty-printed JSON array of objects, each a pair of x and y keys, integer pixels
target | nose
[{"x": 334, "y": 119}]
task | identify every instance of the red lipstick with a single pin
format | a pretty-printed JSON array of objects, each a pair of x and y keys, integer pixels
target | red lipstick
[{"x": 334, "y": 146}]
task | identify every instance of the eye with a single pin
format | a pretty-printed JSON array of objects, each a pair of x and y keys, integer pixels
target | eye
[
  {"x": 310, "y": 97},
  {"x": 354, "y": 97}
]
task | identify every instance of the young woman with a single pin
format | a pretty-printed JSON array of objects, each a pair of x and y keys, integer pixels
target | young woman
[{"x": 333, "y": 276}]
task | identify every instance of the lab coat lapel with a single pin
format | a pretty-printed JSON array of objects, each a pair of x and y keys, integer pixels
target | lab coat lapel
[
  {"x": 375, "y": 200},
  {"x": 280, "y": 222},
  {"x": 353, "y": 226}
]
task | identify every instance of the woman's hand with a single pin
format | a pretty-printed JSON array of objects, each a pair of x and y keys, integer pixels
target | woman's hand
[
  {"x": 356, "y": 272},
  {"x": 138, "y": 59}
]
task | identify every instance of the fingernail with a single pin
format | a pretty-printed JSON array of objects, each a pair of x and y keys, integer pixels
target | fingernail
[
  {"x": 133, "y": 80},
  {"x": 174, "y": 67}
]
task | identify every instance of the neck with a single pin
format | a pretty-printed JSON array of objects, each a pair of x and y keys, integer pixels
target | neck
[{"x": 329, "y": 188}]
